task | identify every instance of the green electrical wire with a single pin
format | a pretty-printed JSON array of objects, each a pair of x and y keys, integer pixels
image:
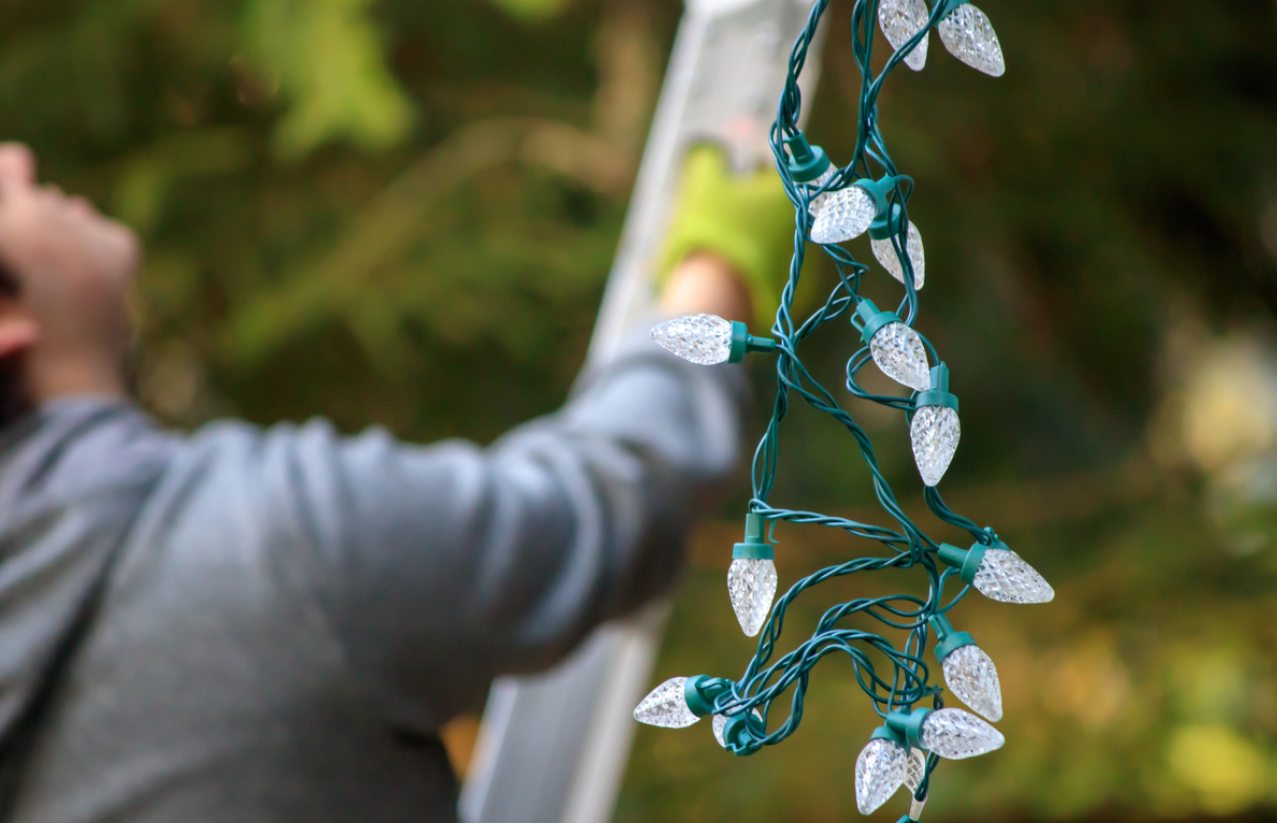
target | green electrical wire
[{"x": 769, "y": 678}]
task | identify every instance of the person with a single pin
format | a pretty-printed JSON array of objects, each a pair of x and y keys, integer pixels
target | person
[{"x": 247, "y": 624}]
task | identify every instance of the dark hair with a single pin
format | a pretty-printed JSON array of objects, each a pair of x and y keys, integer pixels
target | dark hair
[{"x": 15, "y": 401}]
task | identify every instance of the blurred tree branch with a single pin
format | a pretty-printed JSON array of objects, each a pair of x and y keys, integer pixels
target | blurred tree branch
[{"x": 329, "y": 278}]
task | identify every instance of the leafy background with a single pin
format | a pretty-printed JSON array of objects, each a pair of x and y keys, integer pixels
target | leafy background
[{"x": 402, "y": 213}]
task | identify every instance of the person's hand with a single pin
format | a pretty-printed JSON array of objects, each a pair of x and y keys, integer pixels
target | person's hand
[
  {"x": 705, "y": 283},
  {"x": 727, "y": 222}
]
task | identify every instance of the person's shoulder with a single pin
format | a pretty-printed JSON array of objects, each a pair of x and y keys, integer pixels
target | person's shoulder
[{"x": 81, "y": 443}]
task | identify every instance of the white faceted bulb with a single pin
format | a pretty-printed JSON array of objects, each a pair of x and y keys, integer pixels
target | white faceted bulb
[
  {"x": 915, "y": 770},
  {"x": 842, "y": 215},
  {"x": 900, "y": 21},
  {"x": 719, "y": 724},
  {"x": 704, "y": 339},
  {"x": 880, "y": 770},
  {"x": 971, "y": 676},
  {"x": 1004, "y": 576},
  {"x": 666, "y": 706},
  {"x": 825, "y": 176},
  {"x": 885, "y": 251},
  {"x": 969, "y": 36},
  {"x": 818, "y": 201},
  {"x": 957, "y": 735},
  {"x": 751, "y": 585},
  {"x": 935, "y": 432},
  {"x": 898, "y": 352}
]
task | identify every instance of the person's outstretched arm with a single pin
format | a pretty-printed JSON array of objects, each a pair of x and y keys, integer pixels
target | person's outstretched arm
[{"x": 437, "y": 568}]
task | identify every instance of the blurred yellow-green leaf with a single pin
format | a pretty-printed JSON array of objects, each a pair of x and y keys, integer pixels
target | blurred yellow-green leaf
[{"x": 326, "y": 57}]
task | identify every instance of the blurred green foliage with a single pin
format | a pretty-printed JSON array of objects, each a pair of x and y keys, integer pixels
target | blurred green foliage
[
  {"x": 326, "y": 58},
  {"x": 533, "y": 9},
  {"x": 403, "y": 212}
]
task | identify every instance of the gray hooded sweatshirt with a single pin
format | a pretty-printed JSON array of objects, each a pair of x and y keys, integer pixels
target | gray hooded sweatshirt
[{"x": 272, "y": 624}]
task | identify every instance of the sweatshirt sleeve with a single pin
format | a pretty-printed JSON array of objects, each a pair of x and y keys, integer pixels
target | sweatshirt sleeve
[{"x": 441, "y": 567}]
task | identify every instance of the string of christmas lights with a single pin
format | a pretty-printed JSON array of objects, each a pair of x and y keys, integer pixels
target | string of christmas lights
[{"x": 833, "y": 206}]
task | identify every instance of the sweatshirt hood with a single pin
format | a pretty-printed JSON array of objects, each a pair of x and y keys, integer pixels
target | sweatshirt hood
[{"x": 73, "y": 477}]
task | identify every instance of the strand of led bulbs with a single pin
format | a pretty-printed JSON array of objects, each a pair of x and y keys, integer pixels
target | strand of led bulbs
[{"x": 834, "y": 206}]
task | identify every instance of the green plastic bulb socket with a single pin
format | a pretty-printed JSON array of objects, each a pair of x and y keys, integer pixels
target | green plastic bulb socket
[
  {"x": 948, "y": 639},
  {"x": 908, "y": 725},
  {"x": 743, "y": 734},
  {"x": 938, "y": 394},
  {"x": 869, "y": 319},
  {"x": 806, "y": 162},
  {"x": 743, "y": 343},
  {"x": 701, "y": 691},
  {"x": 755, "y": 545}
]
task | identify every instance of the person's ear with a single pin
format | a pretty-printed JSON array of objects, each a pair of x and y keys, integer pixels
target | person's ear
[{"x": 18, "y": 331}]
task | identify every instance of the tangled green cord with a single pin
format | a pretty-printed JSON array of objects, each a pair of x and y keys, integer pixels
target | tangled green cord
[{"x": 766, "y": 681}]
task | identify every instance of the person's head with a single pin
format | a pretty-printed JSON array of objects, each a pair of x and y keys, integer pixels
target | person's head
[{"x": 65, "y": 274}]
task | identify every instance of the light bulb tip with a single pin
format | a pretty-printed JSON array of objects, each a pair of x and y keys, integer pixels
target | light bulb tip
[{"x": 751, "y": 587}]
